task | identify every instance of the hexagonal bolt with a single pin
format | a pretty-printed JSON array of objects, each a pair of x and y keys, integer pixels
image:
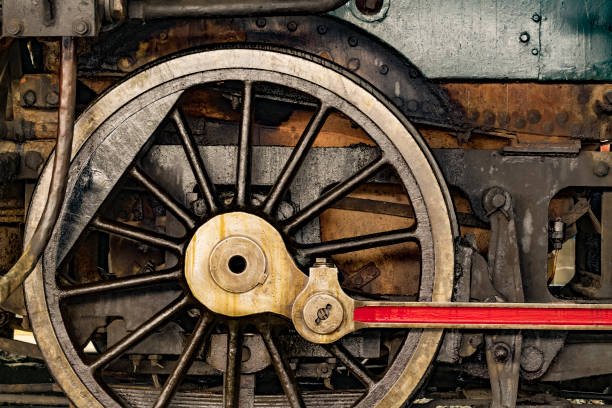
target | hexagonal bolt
[
  {"x": 524, "y": 37},
  {"x": 536, "y": 18}
]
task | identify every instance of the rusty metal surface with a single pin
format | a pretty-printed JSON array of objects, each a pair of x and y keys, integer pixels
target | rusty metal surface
[
  {"x": 563, "y": 109},
  {"x": 433, "y": 221}
]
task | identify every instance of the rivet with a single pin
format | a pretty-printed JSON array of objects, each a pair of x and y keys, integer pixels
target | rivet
[
  {"x": 536, "y": 17},
  {"x": 384, "y": 69},
  {"x": 80, "y": 27},
  {"x": 412, "y": 105},
  {"x": 354, "y": 64},
  {"x": 534, "y": 116},
  {"x": 535, "y": 51},
  {"x": 353, "y": 42},
  {"x": 292, "y": 26},
  {"x": 602, "y": 169},
  {"x": 524, "y": 37},
  {"x": 322, "y": 29},
  {"x": 261, "y": 22},
  {"x": 52, "y": 98}
]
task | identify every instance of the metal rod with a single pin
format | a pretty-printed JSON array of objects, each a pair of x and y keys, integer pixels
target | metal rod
[
  {"x": 284, "y": 373},
  {"x": 137, "y": 234},
  {"x": 195, "y": 161},
  {"x": 129, "y": 282},
  {"x": 244, "y": 153},
  {"x": 231, "y": 379},
  {"x": 349, "y": 362},
  {"x": 294, "y": 162},
  {"x": 166, "y": 199},
  {"x": 59, "y": 178},
  {"x": 341, "y": 246},
  {"x": 155, "y": 9},
  {"x": 140, "y": 333},
  {"x": 335, "y": 194},
  {"x": 185, "y": 360}
]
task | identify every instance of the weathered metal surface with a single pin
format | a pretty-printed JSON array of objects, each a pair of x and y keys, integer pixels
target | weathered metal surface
[
  {"x": 399, "y": 147},
  {"x": 475, "y": 171},
  {"x": 473, "y": 39},
  {"x": 568, "y": 109},
  {"x": 56, "y": 18},
  {"x": 576, "y": 40},
  {"x": 132, "y": 46}
]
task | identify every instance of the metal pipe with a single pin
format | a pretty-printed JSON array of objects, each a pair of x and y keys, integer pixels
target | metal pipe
[
  {"x": 156, "y": 9},
  {"x": 63, "y": 149}
]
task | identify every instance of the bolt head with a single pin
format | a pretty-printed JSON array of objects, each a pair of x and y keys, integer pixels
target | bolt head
[
  {"x": 292, "y": 26},
  {"x": 353, "y": 42},
  {"x": 536, "y": 17},
  {"x": 29, "y": 98},
  {"x": 14, "y": 27},
  {"x": 535, "y": 51},
  {"x": 602, "y": 169},
  {"x": 498, "y": 200},
  {"x": 501, "y": 352},
  {"x": 261, "y": 22},
  {"x": 524, "y": 37},
  {"x": 384, "y": 69},
  {"x": 80, "y": 27},
  {"x": 52, "y": 98},
  {"x": 322, "y": 29}
]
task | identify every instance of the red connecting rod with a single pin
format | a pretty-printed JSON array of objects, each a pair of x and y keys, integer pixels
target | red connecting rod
[{"x": 492, "y": 316}]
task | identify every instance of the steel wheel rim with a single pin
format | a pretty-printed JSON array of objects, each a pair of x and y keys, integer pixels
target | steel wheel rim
[{"x": 442, "y": 284}]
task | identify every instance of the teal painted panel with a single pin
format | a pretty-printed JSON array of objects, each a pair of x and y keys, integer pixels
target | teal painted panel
[
  {"x": 480, "y": 39},
  {"x": 576, "y": 40}
]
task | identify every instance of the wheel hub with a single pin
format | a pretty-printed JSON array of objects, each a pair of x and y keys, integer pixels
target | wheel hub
[{"x": 237, "y": 265}]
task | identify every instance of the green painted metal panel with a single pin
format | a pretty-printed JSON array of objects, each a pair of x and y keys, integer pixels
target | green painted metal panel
[
  {"x": 480, "y": 39},
  {"x": 576, "y": 40}
]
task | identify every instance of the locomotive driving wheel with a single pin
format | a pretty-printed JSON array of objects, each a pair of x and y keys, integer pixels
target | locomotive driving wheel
[{"x": 203, "y": 321}]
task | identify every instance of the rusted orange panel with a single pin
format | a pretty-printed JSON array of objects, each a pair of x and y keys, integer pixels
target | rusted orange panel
[{"x": 569, "y": 110}]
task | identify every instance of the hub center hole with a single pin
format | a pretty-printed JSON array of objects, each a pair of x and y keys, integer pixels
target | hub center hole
[{"x": 237, "y": 264}]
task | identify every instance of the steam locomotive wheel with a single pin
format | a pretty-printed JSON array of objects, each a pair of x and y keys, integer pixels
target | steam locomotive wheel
[{"x": 86, "y": 290}]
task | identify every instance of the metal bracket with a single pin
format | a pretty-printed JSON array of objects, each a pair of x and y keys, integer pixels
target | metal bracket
[{"x": 51, "y": 18}]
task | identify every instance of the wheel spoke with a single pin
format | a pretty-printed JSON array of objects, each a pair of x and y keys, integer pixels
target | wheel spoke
[
  {"x": 148, "y": 279},
  {"x": 295, "y": 160},
  {"x": 341, "y": 246},
  {"x": 138, "y": 234},
  {"x": 195, "y": 161},
  {"x": 140, "y": 333},
  {"x": 284, "y": 373},
  {"x": 185, "y": 360},
  {"x": 335, "y": 194},
  {"x": 166, "y": 199},
  {"x": 349, "y": 362},
  {"x": 231, "y": 379},
  {"x": 244, "y": 148}
]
